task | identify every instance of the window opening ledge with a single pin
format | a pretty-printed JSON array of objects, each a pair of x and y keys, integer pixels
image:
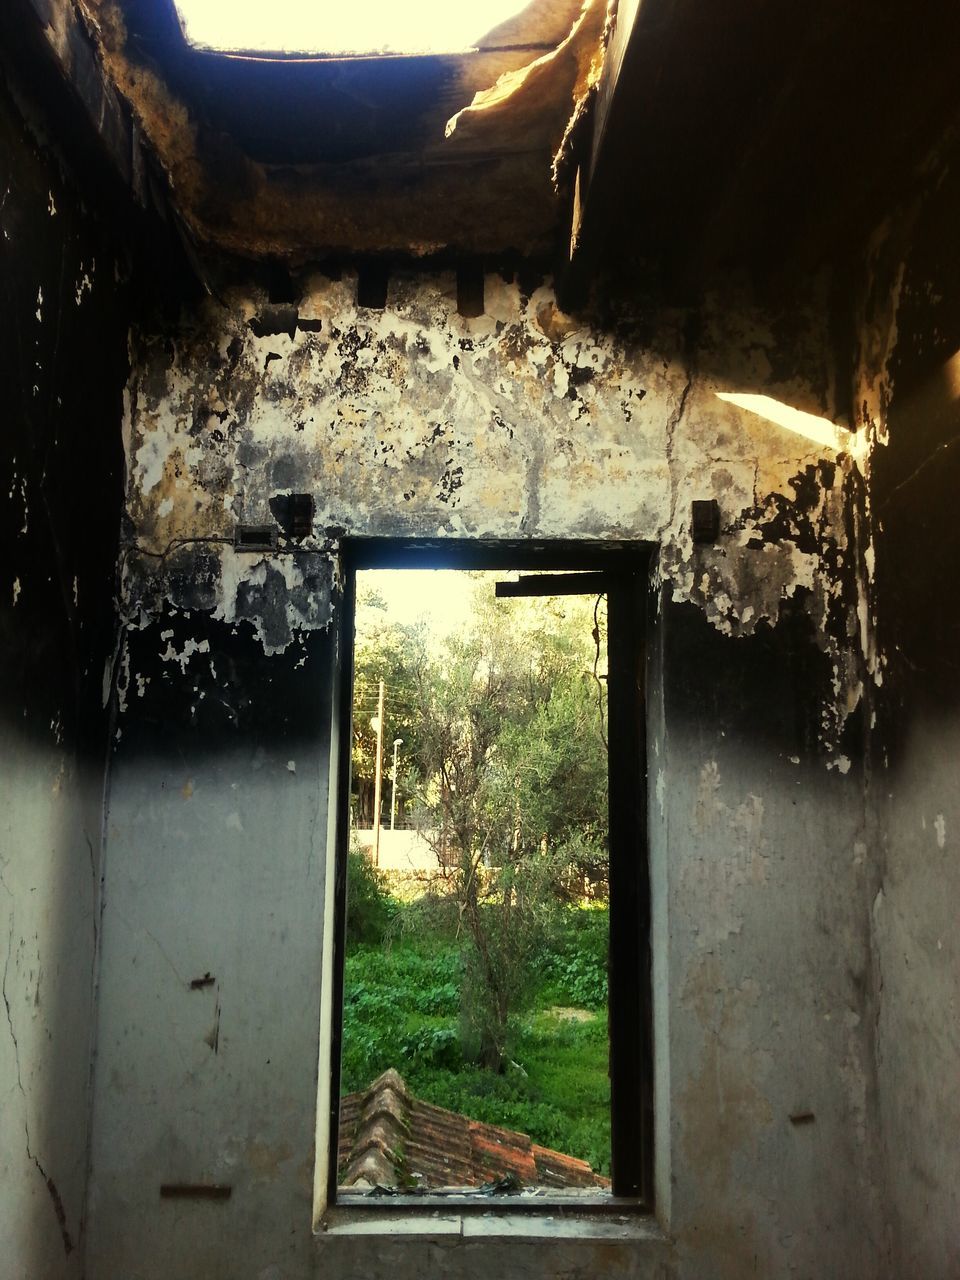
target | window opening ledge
[{"x": 624, "y": 1222}]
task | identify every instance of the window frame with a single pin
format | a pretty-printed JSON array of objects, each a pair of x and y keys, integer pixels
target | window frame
[{"x": 625, "y": 570}]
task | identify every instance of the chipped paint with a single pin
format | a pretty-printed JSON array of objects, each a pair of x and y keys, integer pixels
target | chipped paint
[
  {"x": 85, "y": 283},
  {"x": 190, "y": 647},
  {"x": 523, "y": 422},
  {"x": 562, "y": 76}
]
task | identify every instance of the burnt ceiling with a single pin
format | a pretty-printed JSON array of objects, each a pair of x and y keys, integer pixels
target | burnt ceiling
[
  {"x": 693, "y": 139},
  {"x": 767, "y": 136},
  {"x": 300, "y": 110},
  {"x": 292, "y": 157}
]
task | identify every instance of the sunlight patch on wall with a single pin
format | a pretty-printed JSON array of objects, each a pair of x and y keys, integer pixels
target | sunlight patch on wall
[
  {"x": 365, "y": 27},
  {"x": 951, "y": 372},
  {"x": 819, "y": 430}
]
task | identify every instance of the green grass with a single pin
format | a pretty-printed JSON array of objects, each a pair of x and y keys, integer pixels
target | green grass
[{"x": 402, "y": 1010}]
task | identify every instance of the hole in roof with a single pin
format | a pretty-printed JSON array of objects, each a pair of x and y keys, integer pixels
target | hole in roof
[{"x": 334, "y": 28}]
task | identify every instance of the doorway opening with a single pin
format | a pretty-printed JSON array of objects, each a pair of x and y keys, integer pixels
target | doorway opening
[{"x": 492, "y": 1018}]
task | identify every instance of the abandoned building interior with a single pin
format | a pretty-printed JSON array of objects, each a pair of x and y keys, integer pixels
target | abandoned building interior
[{"x": 651, "y": 274}]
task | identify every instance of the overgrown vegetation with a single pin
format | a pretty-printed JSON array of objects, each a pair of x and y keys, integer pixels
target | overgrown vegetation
[
  {"x": 488, "y": 991},
  {"x": 402, "y": 1009},
  {"x": 371, "y": 911}
]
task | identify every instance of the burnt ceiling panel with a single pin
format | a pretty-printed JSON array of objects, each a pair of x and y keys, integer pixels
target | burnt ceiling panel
[
  {"x": 287, "y": 109},
  {"x": 297, "y": 157},
  {"x": 737, "y": 136}
]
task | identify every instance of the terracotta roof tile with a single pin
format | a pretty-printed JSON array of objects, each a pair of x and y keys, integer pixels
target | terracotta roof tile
[{"x": 390, "y": 1138}]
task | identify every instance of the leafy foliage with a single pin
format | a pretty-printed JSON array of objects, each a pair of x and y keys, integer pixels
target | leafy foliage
[
  {"x": 512, "y": 747},
  {"x": 506, "y": 764},
  {"x": 575, "y": 963},
  {"x": 393, "y": 999},
  {"x": 402, "y": 1009},
  {"x": 371, "y": 911}
]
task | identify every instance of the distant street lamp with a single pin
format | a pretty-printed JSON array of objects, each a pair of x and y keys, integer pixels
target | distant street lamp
[
  {"x": 377, "y": 724},
  {"x": 397, "y": 742}
]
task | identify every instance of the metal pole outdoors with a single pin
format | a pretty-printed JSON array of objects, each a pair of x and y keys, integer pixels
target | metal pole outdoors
[
  {"x": 397, "y": 742},
  {"x": 378, "y": 779}
]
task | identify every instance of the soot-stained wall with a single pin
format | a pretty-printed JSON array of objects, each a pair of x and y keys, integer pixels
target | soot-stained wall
[
  {"x": 523, "y": 423},
  {"x": 63, "y": 346},
  {"x": 910, "y": 388}
]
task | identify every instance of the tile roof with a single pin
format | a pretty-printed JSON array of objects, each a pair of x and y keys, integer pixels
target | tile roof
[{"x": 390, "y": 1138}]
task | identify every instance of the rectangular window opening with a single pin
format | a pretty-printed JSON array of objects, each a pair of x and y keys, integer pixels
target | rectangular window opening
[{"x": 491, "y": 1038}]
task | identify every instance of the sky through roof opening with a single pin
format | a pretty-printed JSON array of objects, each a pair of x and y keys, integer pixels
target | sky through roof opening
[{"x": 333, "y": 27}]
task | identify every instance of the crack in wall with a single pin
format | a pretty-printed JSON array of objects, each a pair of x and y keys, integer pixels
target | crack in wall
[
  {"x": 943, "y": 447},
  {"x": 52, "y": 1191},
  {"x": 673, "y": 424}
]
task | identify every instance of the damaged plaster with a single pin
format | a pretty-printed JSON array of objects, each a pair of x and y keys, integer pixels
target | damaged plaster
[
  {"x": 539, "y": 93},
  {"x": 522, "y": 423}
]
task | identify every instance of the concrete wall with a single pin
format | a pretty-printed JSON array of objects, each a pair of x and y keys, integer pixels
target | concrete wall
[
  {"x": 803, "y": 728},
  {"x": 525, "y": 423},
  {"x": 909, "y": 389},
  {"x": 207, "y": 1050},
  {"x": 63, "y": 328},
  {"x": 406, "y": 853}
]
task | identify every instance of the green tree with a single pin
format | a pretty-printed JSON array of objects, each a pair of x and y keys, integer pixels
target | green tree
[
  {"x": 513, "y": 787},
  {"x": 387, "y": 651}
]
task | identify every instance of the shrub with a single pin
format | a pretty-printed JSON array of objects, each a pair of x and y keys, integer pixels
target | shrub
[
  {"x": 576, "y": 959},
  {"x": 399, "y": 1010},
  {"x": 433, "y": 1046},
  {"x": 371, "y": 910}
]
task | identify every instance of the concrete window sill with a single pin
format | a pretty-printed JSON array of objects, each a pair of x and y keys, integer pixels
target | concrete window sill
[{"x": 427, "y": 1224}]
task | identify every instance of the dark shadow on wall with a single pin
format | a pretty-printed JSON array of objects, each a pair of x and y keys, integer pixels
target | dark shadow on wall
[
  {"x": 914, "y": 310},
  {"x": 916, "y": 475},
  {"x": 63, "y": 326},
  {"x": 765, "y": 691}
]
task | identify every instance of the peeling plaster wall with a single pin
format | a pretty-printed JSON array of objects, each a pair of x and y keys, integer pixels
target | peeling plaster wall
[
  {"x": 62, "y": 368},
  {"x": 909, "y": 393},
  {"x": 524, "y": 423}
]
